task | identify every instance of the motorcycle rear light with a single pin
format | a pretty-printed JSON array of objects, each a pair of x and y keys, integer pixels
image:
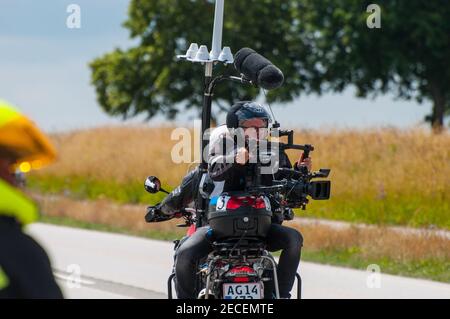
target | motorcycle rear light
[
  {"x": 235, "y": 203},
  {"x": 241, "y": 274},
  {"x": 259, "y": 203},
  {"x": 242, "y": 270},
  {"x": 246, "y": 201},
  {"x": 241, "y": 279}
]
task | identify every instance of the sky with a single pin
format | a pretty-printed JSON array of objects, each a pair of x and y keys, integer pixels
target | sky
[{"x": 44, "y": 71}]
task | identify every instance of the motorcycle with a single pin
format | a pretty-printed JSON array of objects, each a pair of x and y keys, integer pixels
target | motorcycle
[{"x": 239, "y": 265}]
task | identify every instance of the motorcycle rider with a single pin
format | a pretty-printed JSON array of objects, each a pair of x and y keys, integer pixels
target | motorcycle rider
[
  {"x": 25, "y": 270},
  {"x": 228, "y": 168}
]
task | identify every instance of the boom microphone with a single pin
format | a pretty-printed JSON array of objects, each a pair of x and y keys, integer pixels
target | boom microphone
[{"x": 258, "y": 69}]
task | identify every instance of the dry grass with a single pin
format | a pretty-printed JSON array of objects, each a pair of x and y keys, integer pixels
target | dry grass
[
  {"x": 102, "y": 212},
  {"x": 119, "y": 154},
  {"x": 374, "y": 161},
  {"x": 383, "y": 176},
  {"x": 384, "y": 161}
]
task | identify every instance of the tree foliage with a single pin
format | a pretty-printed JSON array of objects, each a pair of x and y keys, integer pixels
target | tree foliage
[{"x": 321, "y": 46}]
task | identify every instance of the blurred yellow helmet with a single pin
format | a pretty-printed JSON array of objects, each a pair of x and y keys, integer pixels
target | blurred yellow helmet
[{"x": 22, "y": 142}]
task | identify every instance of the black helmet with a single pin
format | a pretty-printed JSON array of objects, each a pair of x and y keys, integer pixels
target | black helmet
[{"x": 245, "y": 110}]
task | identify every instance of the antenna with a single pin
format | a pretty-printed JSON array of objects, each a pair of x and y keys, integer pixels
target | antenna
[{"x": 217, "y": 31}]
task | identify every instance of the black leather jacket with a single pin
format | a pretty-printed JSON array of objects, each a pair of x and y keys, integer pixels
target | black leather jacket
[{"x": 182, "y": 196}]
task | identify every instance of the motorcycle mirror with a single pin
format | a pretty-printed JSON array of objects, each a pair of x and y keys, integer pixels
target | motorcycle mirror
[{"x": 152, "y": 184}]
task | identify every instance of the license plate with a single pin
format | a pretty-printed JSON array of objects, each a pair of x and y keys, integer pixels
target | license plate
[{"x": 243, "y": 291}]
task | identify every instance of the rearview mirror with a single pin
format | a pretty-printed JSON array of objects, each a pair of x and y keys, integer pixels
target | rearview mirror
[{"x": 152, "y": 184}]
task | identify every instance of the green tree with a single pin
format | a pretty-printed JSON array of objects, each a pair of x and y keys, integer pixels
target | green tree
[
  {"x": 321, "y": 46},
  {"x": 409, "y": 55}
]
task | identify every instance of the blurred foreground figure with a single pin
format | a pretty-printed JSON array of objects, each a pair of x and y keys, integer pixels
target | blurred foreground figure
[{"x": 25, "y": 270}]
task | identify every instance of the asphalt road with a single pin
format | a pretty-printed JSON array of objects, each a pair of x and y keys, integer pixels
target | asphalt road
[{"x": 118, "y": 266}]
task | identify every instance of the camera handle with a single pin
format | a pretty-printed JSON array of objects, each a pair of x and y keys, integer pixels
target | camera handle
[{"x": 305, "y": 154}]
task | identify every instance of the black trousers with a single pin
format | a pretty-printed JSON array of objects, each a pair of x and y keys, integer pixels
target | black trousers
[
  {"x": 26, "y": 265},
  {"x": 198, "y": 245}
]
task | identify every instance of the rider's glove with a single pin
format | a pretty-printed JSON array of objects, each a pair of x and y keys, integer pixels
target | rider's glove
[{"x": 154, "y": 215}]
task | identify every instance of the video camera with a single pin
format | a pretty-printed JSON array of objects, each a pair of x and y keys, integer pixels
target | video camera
[{"x": 295, "y": 185}]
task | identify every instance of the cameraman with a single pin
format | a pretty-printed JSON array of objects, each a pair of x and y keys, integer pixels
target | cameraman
[{"x": 230, "y": 171}]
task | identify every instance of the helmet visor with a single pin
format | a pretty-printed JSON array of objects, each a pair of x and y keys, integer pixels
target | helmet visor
[{"x": 254, "y": 122}]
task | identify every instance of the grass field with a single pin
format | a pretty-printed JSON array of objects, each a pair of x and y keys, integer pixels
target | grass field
[{"x": 379, "y": 176}]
